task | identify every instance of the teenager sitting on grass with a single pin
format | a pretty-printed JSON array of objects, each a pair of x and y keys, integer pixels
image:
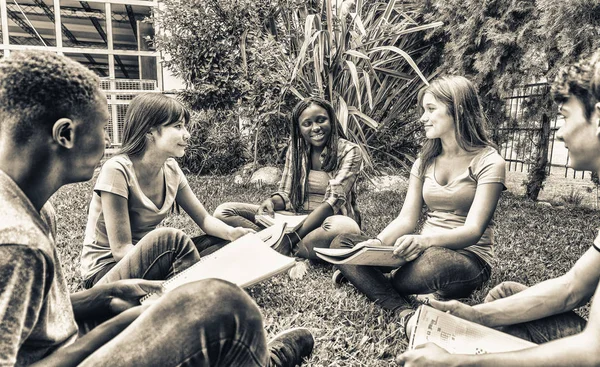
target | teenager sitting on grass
[
  {"x": 51, "y": 134},
  {"x": 318, "y": 178},
  {"x": 544, "y": 313},
  {"x": 136, "y": 190},
  {"x": 459, "y": 176}
]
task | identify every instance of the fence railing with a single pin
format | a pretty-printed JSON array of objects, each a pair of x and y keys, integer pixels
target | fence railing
[
  {"x": 519, "y": 136},
  {"x": 119, "y": 93}
]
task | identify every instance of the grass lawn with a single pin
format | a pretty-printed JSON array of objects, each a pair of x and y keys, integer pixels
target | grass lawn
[{"x": 533, "y": 243}]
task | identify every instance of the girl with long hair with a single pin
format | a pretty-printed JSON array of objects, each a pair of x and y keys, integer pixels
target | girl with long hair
[
  {"x": 318, "y": 178},
  {"x": 135, "y": 190},
  {"x": 459, "y": 176}
]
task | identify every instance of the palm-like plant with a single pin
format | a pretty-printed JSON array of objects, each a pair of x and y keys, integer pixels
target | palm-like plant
[{"x": 364, "y": 56}]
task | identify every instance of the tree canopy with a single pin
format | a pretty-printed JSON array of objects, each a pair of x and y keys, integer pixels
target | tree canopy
[{"x": 503, "y": 44}]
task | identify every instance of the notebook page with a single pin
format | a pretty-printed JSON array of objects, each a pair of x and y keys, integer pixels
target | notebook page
[
  {"x": 460, "y": 336},
  {"x": 244, "y": 262}
]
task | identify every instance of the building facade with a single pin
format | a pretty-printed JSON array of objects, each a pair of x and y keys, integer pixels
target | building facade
[{"x": 111, "y": 37}]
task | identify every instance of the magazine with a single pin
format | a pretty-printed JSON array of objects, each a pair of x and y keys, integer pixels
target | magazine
[{"x": 459, "y": 336}]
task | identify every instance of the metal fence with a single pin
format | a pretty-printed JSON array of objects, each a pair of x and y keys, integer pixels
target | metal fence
[
  {"x": 519, "y": 135},
  {"x": 119, "y": 93}
]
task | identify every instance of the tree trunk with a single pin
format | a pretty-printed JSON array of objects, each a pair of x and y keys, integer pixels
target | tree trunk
[{"x": 538, "y": 172}]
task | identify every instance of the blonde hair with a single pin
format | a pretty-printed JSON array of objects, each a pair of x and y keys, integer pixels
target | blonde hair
[{"x": 462, "y": 102}]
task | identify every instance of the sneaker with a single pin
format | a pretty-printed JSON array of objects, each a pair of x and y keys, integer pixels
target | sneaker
[
  {"x": 405, "y": 316},
  {"x": 289, "y": 348},
  {"x": 284, "y": 245},
  {"x": 338, "y": 278}
]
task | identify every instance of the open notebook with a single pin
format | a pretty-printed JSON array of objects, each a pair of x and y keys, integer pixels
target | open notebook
[
  {"x": 458, "y": 336},
  {"x": 373, "y": 255},
  {"x": 291, "y": 221},
  {"x": 246, "y": 261}
]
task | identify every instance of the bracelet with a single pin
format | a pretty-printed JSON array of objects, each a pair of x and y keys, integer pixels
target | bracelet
[
  {"x": 380, "y": 241},
  {"x": 596, "y": 247}
]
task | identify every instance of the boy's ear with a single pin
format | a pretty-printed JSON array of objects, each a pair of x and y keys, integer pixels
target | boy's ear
[
  {"x": 63, "y": 132},
  {"x": 596, "y": 118}
]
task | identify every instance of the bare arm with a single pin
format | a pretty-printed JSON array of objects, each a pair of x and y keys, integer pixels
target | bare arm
[
  {"x": 118, "y": 228},
  {"x": 91, "y": 303},
  {"x": 272, "y": 204},
  {"x": 547, "y": 298},
  {"x": 120, "y": 298},
  {"x": 550, "y": 297},
  {"x": 22, "y": 292},
  {"x": 580, "y": 350},
  {"x": 406, "y": 221},
  {"x": 209, "y": 224},
  {"x": 315, "y": 219}
]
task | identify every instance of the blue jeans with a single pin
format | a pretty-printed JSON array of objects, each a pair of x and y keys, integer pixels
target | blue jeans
[
  {"x": 244, "y": 215},
  {"x": 542, "y": 330},
  {"x": 448, "y": 273},
  {"x": 159, "y": 255},
  {"x": 205, "y": 323}
]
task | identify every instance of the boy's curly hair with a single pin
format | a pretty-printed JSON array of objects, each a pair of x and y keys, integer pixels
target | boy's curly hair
[
  {"x": 37, "y": 88},
  {"x": 581, "y": 80}
]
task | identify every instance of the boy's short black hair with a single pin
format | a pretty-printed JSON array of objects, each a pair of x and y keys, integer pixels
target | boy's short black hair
[
  {"x": 581, "y": 80},
  {"x": 37, "y": 88}
]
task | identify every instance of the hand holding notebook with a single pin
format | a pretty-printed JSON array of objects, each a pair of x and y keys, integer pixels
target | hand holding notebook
[
  {"x": 458, "y": 336},
  {"x": 246, "y": 261},
  {"x": 362, "y": 254},
  {"x": 292, "y": 221}
]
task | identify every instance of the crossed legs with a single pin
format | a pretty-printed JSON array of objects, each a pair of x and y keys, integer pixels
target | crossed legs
[{"x": 205, "y": 323}]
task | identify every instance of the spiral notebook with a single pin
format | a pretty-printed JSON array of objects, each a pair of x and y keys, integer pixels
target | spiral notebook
[{"x": 245, "y": 261}]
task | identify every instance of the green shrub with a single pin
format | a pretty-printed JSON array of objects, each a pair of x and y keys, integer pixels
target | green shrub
[
  {"x": 573, "y": 198},
  {"x": 367, "y": 57},
  {"x": 502, "y": 45},
  {"x": 267, "y": 111},
  {"x": 215, "y": 146},
  {"x": 396, "y": 144},
  {"x": 228, "y": 59}
]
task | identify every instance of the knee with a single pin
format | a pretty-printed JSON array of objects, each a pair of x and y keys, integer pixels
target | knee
[
  {"x": 340, "y": 224},
  {"x": 221, "y": 301},
  {"x": 337, "y": 241},
  {"x": 504, "y": 290},
  {"x": 205, "y": 291},
  {"x": 171, "y": 235},
  {"x": 427, "y": 266},
  {"x": 345, "y": 240},
  {"x": 431, "y": 259},
  {"x": 223, "y": 211},
  {"x": 433, "y": 252}
]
